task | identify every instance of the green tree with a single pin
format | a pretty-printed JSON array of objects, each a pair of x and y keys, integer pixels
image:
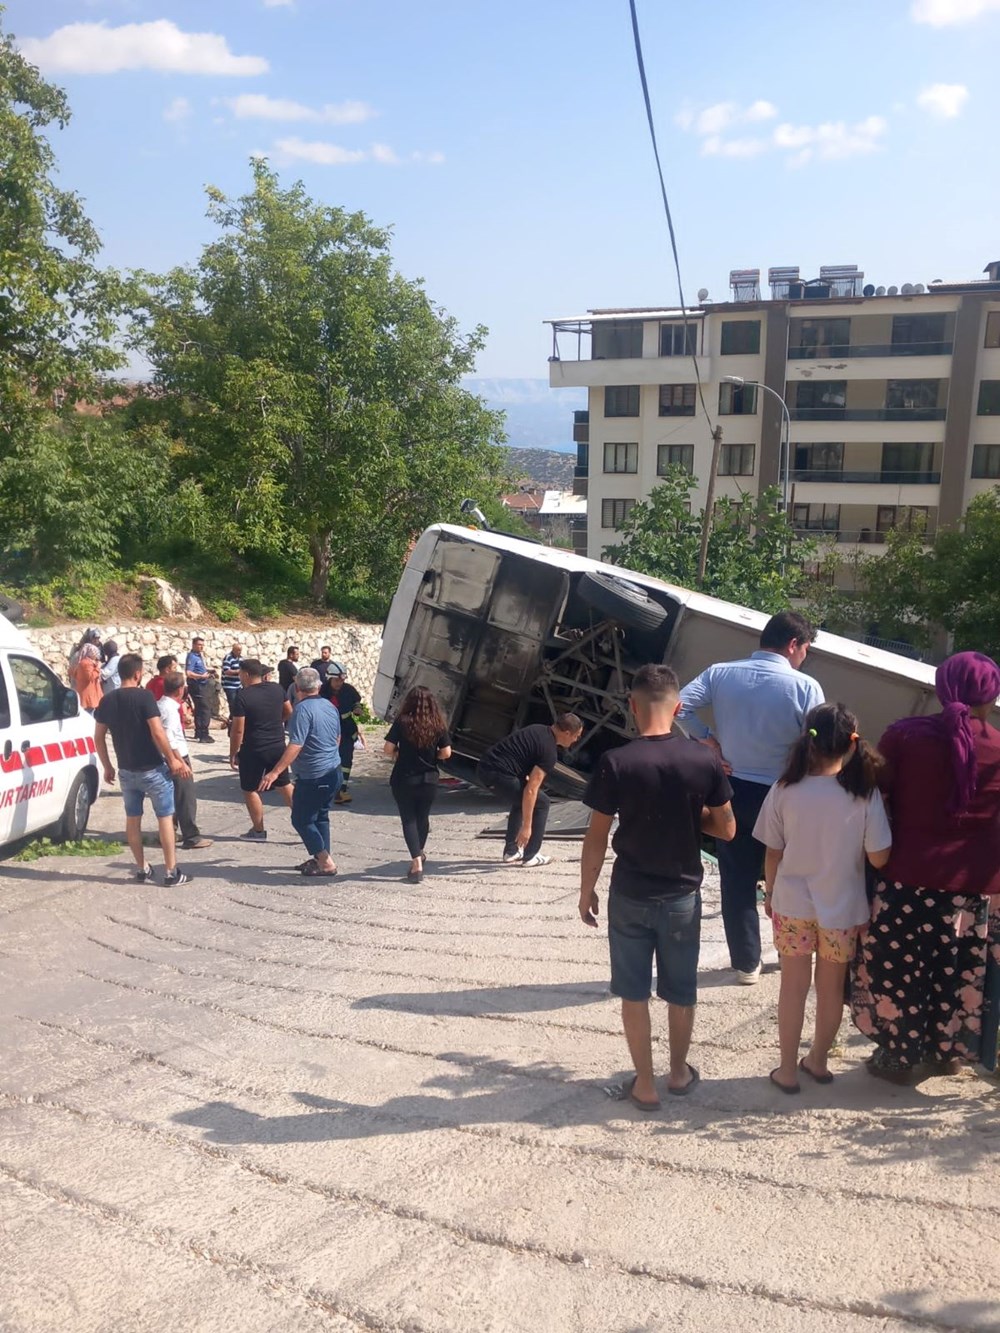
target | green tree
[
  {"x": 754, "y": 557},
  {"x": 315, "y": 390}
]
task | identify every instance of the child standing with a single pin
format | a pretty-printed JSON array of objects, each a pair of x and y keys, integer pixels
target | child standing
[{"x": 819, "y": 821}]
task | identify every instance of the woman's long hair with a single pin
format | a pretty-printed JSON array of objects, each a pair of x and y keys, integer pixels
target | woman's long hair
[
  {"x": 830, "y": 732},
  {"x": 421, "y": 718}
]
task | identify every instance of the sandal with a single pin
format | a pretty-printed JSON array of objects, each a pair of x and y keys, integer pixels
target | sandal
[
  {"x": 629, "y": 1093},
  {"x": 303, "y": 866},
  {"x": 899, "y": 1076},
  {"x": 816, "y": 1078},
  {"x": 314, "y": 872},
  {"x": 689, "y": 1086},
  {"x": 783, "y": 1087}
]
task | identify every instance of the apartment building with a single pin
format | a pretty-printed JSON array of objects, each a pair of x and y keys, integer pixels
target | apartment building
[{"x": 893, "y": 399}]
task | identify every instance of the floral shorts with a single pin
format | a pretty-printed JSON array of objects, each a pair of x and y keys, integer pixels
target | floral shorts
[{"x": 795, "y": 937}]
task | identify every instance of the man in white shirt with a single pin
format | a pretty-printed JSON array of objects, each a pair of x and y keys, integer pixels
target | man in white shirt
[{"x": 185, "y": 800}]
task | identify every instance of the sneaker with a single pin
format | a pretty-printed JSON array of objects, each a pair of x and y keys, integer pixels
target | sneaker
[
  {"x": 514, "y": 857},
  {"x": 144, "y": 876},
  {"x": 254, "y": 835},
  {"x": 343, "y": 798},
  {"x": 748, "y": 978},
  {"x": 175, "y": 877},
  {"x": 196, "y": 844},
  {"x": 538, "y": 860}
]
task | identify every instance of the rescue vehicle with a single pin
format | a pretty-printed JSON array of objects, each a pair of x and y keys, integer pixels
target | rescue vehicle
[{"x": 49, "y": 775}]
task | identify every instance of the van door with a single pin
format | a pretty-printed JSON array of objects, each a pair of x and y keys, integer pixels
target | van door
[
  {"x": 39, "y": 766},
  {"x": 11, "y": 763}
]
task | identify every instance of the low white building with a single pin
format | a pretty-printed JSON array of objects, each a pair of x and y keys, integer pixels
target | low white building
[{"x": 893, "y": 400}]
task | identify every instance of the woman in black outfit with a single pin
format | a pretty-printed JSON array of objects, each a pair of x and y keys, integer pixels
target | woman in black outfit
[{"x": 416, "y": 742}]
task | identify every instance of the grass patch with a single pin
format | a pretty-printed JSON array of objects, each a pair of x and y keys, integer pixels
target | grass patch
[{"x": 83, "y": 847}]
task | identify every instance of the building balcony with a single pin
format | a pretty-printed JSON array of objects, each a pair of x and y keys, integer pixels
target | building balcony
[
  {"x": 903, "y": 414},
  {"x": 853, "y": 536},
  {"x": 858, "y": 478},
  {"x": 631, "y": 370},
  {"x": 841, "y": 351}
]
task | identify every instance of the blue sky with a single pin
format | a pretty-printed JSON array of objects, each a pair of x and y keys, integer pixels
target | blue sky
[{"x": 506, "y": 141}]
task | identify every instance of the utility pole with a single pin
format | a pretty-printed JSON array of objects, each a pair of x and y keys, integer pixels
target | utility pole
[{"x": 706, "y": 520}]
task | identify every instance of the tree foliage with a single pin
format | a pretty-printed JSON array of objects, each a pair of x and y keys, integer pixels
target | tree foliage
[
  {"x": 754, "y": 557},
  {"x": 315, "y": 390}
]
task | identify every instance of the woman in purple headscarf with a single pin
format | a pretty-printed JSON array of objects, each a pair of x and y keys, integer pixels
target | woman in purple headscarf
[{"x": 918, "y": 982}]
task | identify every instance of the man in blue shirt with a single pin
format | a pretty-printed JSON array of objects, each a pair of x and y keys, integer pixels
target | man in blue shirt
[
  {"x": 198, "y": 677},
  {"x": 758, "y": 706},
  {"x": 314, "y": 749}
]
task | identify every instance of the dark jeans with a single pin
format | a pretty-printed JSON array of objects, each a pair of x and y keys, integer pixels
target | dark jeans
[
  {"x": 741, "y": 865},
  {"x": 230, "y": 696},
  {"x": 198, "y": 690},
  {"x": 186, "y": 808},
  {"x": 512, "y": 789},
  {"x": 311, "y": 809},
  {"x": 414, "y": 800}
]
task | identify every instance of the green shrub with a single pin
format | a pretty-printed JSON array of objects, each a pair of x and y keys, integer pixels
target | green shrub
[
  {"x": 224, "y": 610},
  {"x": 149, "y": 602},
  {"x": 83, "y": 603},
  {"x": 261, "y": 605}
]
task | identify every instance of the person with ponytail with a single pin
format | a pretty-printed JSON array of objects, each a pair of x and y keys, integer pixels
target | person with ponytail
[
  {"x": 918, "y": 981},
  {"x": 819, "y": 822},
  {"x": 416, "y": 742}
]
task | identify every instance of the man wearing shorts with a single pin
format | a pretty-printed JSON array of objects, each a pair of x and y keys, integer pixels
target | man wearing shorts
[
  {"x": 146, "y": 764},
  {"x": 666, "y": 791},
  {"x": 257, "y": 741}
]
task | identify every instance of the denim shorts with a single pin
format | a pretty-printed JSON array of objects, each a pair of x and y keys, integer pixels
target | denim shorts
[
  {"x": 667, "y": 929},
  {"x": 156, "y": 783}
]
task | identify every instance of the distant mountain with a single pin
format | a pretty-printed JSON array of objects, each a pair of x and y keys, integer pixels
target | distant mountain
[
  {"x": 548, "y": 467},
  {"x": 537, "y": 417}
]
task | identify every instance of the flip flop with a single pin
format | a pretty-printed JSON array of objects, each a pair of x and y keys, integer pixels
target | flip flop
[
  {"x": 640, "y": 1106},
  {"x": 692, "y": 1082},
  {"x": 789, "y": 1092},
  {"x": 304, "y": 865},
  {"x": 816, "y": 1078},
  {"x": 314, "y": 872}
]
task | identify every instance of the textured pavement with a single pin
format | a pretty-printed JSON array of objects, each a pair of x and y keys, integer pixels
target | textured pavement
[{"x": 266, "y": 1103}]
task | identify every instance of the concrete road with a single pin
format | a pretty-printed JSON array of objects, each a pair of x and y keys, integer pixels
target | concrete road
[{"x": 267, "y": 1103}]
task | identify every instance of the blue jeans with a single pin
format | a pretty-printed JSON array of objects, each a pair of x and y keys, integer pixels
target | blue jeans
[
  {"x": 667, "y": 929},
  {"x": 137, "y": 784},
  {"x": 741, "y": 865},
  {"x": 311, "y": 809}
]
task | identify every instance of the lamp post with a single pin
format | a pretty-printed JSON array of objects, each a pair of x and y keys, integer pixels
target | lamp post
[{"x": 783, "y": 461}]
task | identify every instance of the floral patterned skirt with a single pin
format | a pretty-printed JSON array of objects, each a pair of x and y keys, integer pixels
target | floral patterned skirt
[{"x": 917, "y": 982}]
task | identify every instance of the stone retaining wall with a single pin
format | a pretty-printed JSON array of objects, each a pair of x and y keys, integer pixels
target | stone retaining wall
[{"x": 355, "y": 645}]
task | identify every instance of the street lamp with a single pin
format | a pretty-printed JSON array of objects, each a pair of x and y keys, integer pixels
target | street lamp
[{"x": 786, "y": 423}]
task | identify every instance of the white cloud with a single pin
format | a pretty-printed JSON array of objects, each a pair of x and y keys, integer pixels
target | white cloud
[
  {"x": 279, "y": 4},
  {"x": 760, "y": 110},
  {"x": 715, "y": 119},
  {"x": 177, "y": 110},
  {"x": 258, "y": 106},
  {"x": 384, "y": 155},
  {"x": 433, "y": 159},
  {"x": 944, "y": 100},
  {"x": 294, "y": 149},
  {"x": 94, "y": 48},
  {"x": 945, "y": 13},
  {"x": 715, "y": 146},
  {"x": 712, "y": 120},
  {"x": 830, "y": 140},
  {"x": 833, "y": 140}
]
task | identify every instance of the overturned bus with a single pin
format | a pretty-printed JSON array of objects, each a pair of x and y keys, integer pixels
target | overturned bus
[{"x": 506, "y": 632}]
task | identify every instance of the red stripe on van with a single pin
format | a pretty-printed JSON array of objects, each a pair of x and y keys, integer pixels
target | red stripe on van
[
  {"x": 53, "y": 753},
  {"x": 35, "y": 757},
  {"x": 69, "y": 750},
  {"x": 91, "y": 747},
  {"x": 11, "y": 765},
  {"x": 80, "y": 745}
]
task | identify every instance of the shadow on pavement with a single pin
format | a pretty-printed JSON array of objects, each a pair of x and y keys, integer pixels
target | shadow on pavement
[{"x": 491, "y": 1000}]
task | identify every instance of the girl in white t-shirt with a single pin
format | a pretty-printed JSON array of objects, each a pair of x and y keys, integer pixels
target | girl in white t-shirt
[{"x": 818, "y": 822}]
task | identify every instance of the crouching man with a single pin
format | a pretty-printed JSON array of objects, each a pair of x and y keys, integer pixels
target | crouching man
[{"x": 666, "y": 791}]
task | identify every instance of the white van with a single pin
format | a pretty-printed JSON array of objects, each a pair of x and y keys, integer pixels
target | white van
[
  {"x": 506, "y": 632},
  {"x": 49, "y": 776}
]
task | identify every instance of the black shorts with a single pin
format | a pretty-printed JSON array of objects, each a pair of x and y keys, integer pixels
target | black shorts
[{"x": 253, "y": 767}]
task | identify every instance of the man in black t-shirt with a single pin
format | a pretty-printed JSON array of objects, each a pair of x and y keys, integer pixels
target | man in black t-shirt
[
  {"x": 288, "y": 668},
  {"x": 257, "y": 741},
  {"x": 515, "y": 768},
  {"x": 146, "y": 766},
  {"x": 666, "y": 791}
]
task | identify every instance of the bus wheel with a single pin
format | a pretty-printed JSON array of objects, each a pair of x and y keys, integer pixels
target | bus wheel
[{"x": 619, "y": 600}]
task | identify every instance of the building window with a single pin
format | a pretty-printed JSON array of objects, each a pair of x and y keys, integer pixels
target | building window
[
  {"x": 676, "y": 400},
  {"x": 821, "y": 458},
  {"x": 906, "y": 518},
  {"x": 821, "y": 400},
  {"x": 737, "y": 400},
  {"x": 674, "y": 455},
  {"x": 621, "y": 458},
  {"x": 812, "y": 338},
  {"x": 616, "y": 341},
  {"x": 907, "y": 462},
  {"x": 986, "y": 461},
  {"x": 678, "y": 339},
  {"x": 741, "y": 337},
  {"x": 816, "y": 518},
  {"x": 993, "y": 329},
  {"x": 908, "y": 330},
  {"x": 989, "y": 398},
  {"x": 582, "y": 458},
  {"x": 614, "y": 512},
  {"x": 911, "y": 395},
  {"x": 736, "y": 460},
  {"x": 621, "y": 400}
]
